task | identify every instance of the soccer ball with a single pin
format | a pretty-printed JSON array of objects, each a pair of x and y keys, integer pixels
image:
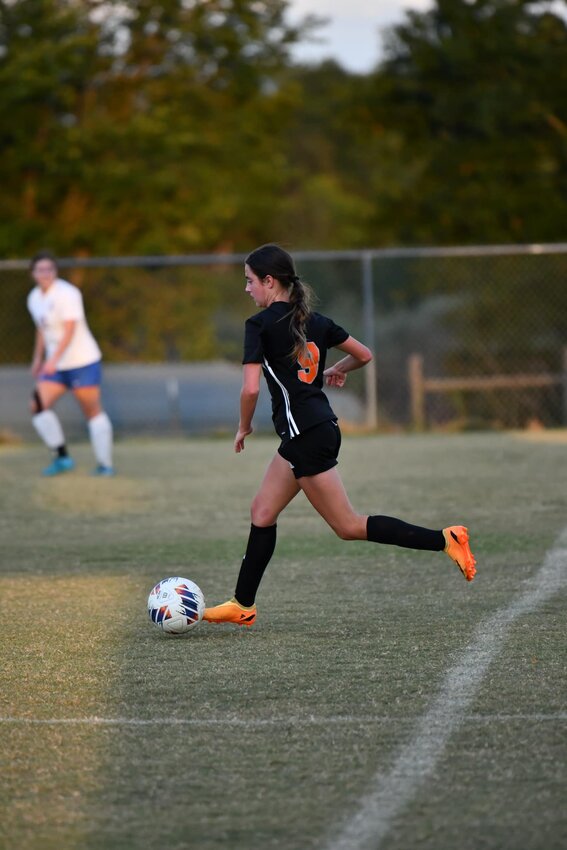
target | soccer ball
[{"x": 176, "y": 605}]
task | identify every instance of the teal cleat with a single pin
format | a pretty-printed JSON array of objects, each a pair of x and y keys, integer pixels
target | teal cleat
[
  {"x": 58, "y": 466},
  {"x": 103, "y": 471}
]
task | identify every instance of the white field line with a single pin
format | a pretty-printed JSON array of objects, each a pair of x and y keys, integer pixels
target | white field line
[
  {"x": 392, "y": 790},
  {"x": 274, "y": 722}
]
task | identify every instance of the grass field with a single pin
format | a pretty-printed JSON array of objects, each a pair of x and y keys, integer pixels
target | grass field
[{"x": 380, "y": 701}]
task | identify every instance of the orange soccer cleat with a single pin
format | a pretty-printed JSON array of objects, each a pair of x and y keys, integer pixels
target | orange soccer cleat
[
  {"x": 458, "y": 549},
  {"x": 231, "y": 612}
]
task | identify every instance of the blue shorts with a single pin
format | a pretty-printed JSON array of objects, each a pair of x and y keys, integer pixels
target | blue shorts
[{"x": 74, "y": 379}]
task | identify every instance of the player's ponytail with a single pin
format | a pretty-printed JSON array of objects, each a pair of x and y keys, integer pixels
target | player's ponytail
[
  {"x": 273, "y": 260},
  {"x": 300, "y": 298}
]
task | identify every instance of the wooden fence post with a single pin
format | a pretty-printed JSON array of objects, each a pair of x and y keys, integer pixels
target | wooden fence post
[
  {"x": 417, "y": 391},
  {"x": 369, "y": 338}
]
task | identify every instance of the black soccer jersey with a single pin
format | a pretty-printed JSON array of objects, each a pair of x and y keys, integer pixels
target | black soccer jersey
[{"x": 298, "y": 400}]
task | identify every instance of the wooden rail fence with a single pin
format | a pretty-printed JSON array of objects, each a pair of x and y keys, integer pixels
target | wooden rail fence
[{"x": 420, "y": 386}]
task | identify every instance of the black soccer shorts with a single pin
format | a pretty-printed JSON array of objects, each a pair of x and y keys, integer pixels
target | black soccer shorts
[{"x": 313, "y": 451}]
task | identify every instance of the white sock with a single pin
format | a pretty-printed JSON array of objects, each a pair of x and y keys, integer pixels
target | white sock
[
  {"x": 49, "y": 428},
  {"x": 100, "y": 430}
]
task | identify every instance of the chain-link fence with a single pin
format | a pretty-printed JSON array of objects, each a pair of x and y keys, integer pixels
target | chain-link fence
[{"x": 463, "y": 337}]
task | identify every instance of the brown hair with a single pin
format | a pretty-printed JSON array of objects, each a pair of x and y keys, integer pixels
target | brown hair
[
  {"x": 43, "y": 255},
  {"x": 273, "y": 260}
]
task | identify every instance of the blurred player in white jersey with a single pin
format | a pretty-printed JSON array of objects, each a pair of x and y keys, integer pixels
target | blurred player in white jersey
[{"x": 66, "y": 358}]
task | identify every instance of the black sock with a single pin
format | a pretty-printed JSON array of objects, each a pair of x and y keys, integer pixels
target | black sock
[
  {"x": 61, "y": 451},
  {"x": 387, "y": 529},
  {"x": 260, "y": 548}
]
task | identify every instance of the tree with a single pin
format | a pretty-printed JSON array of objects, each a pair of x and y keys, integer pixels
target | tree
[
  {"x": 478, "y": 91},
  {"x": 49, "y": 51},
  {"x": 345, "y": 162},
  {"x": 140, "y": 128}
]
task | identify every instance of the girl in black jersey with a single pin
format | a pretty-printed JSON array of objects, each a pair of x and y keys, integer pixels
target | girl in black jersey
[{"x": 289, "y": 343}]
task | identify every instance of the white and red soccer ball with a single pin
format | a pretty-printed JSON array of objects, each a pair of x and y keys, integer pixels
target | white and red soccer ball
[{"x": 176, "y": 605}]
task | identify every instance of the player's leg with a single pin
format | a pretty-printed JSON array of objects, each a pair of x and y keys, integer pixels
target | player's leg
[
  {"x": 279, "y": 486},
  {"x": 277, "y": 489},
  {"x": 327, "y": 494},
  {"x": 99, "y": 425},
  {"x": 47, "y": 424}
]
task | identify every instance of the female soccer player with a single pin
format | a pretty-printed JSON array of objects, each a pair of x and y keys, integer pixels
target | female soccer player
[
  {"x": 66, "y": 357},
  {"x": 289, "y": 343}
]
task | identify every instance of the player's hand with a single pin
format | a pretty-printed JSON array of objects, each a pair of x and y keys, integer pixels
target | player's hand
[
  {"x": 49, "y": 367},
  {"x": 334, "y": 377},
  {"x": 241, "y": 435},
  {"x": 36, "y": 369}
]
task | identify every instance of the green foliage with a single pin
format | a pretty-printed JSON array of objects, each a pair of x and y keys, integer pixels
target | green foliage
[
  {"x": 146, "y": 129},
  {"x": 146, "y": 314},
  {"x": 166, "y": 314},
  {"x": 479, "y": 91},
  {"x": 136, "y": 127}
]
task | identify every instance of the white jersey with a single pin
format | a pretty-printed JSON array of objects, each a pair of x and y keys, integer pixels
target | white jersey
[{"x": 63, "y": 302}]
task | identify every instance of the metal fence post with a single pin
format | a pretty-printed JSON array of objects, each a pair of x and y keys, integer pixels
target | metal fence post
[
  {"x": 417, "y": 391},
  {"x": 564, "y": 382},
  {"x": 172, "y": 391},
  {"x": 369, "y": 339}
]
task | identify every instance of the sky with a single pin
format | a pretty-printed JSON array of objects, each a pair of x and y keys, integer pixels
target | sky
[{"x": 352, "y": 36}]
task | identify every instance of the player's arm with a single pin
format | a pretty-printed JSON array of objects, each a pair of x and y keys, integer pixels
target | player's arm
[
  {"x": 357, "y": 356},
  {"x": 249, "y": 393},
  {"x": 66, "y": 337},
  {"x": 38, "y": 352}
]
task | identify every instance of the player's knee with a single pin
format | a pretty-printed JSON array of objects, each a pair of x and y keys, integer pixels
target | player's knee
[
  {"x": 344, "y": 532},
  {"x": 261, "y": 514},
  {"x": 92, "y": 412},
  {"x": 347, "y": 529}
]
